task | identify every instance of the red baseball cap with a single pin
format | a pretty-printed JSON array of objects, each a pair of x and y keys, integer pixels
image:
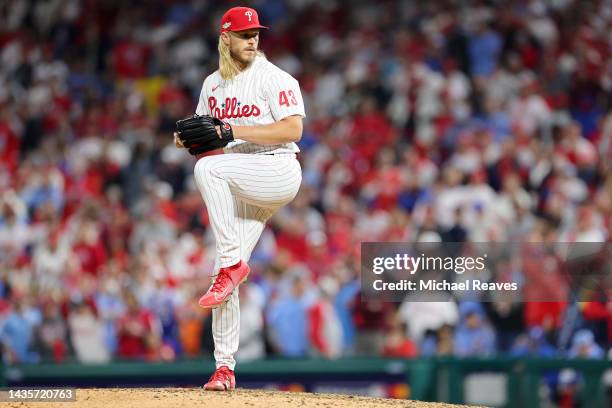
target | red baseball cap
[{"x": 240, "y": 18}]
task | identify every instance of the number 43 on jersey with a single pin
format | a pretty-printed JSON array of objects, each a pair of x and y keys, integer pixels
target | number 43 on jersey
[{"x": 283, "y": 100}]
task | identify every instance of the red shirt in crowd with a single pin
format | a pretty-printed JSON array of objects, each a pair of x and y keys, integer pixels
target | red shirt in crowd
[
  {"x": 130, "y": 60},
  {"x": 9, "y": 147},
  {"x": 91, "y": 256},
  {"x": 133, "y": 330}
]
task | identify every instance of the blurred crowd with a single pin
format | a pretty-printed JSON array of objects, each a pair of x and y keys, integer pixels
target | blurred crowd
[{"x": 444, "y": 120}]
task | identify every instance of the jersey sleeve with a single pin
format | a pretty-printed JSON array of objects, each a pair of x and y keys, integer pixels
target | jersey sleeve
[
  {"x": 284, "y": 96},
  {"x": 202, "y": 108}
]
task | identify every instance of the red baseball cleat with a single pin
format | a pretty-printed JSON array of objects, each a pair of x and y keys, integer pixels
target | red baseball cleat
[
  {"x": 223, "y": 379},
  {"x": 227, "y": 280}
]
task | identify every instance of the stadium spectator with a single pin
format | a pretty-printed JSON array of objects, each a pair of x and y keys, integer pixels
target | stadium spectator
[
  {"x": 473, "y": 336},
  {"x": 17, "y": 334},
  {"x": 598, "y": 318},
  {"x": 584, "y": 346},
  {"x": 138, "y": 332},
  {"x": 439, "y": 342},
  {"x": 51, "y": 335},
  {"x": 533, "y": 344},
  {"x": 324, "y": 328},
  {"x": 397, "y": 344},
  {"x": 87, "y": 335},
  {"x": 287, "y": 317},
  {"x": 344, "y": 303},
  {"x": 507, "y": 318},
  {"x": 419, "y": 317}
]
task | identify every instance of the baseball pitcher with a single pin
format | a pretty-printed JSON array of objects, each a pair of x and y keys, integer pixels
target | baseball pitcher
[{"x": 252, "y": 110}]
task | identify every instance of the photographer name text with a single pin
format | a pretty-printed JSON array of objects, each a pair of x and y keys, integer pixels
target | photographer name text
[{"x": 444, "y": 285}]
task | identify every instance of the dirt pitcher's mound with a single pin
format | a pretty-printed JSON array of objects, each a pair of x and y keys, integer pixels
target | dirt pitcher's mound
[{"x": 192, "y": 398}]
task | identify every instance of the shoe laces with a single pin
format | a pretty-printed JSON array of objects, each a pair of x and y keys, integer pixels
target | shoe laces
[
  {"x": 220, "y": 282},
  {"x": 222, "y": 374}
]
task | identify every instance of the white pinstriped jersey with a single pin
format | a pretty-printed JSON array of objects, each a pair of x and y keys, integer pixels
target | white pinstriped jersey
[{"x": 260, "y": 95}]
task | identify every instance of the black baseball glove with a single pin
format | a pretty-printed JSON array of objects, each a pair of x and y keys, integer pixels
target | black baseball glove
[{"x": 198, "y": 133}]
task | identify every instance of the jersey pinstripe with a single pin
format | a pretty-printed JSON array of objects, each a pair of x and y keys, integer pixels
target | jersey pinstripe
[{"x": 260, "y": 95}]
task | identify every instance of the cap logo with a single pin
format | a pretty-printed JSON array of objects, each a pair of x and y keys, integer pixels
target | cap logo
[
  {"x": 249, "y": 14},
  {"x": 227, "y": 25}
]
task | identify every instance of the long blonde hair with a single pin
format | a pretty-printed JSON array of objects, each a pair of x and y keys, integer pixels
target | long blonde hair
[{"x": 228, "y": 66}]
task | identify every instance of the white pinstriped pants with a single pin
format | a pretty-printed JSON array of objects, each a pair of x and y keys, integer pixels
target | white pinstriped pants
[{"x": 241, "y": 191}]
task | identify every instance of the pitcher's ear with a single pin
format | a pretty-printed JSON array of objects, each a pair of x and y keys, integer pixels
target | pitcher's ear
[{"x": 225, "y": 38}]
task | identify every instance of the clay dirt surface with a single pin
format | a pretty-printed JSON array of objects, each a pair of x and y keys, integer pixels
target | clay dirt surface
[{"x": 193, "y": 397}]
